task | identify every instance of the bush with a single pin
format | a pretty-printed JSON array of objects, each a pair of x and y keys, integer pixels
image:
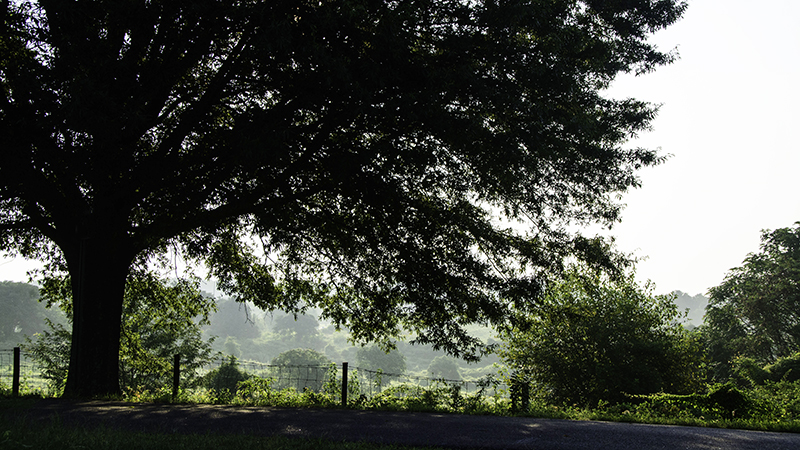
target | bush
[
  {"x": 733, "y": 401},
  {"x": 722, "y": 401},
  {"x": 598, "y": 340},
  {"x": 785, "y": 369},
  {"x": 225, "y": 379},
  {"x": 747, "y": 373},
  {"x": 777, "y": 401}
]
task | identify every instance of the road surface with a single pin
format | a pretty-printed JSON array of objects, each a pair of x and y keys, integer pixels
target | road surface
[{"x": 417, "y": 429}]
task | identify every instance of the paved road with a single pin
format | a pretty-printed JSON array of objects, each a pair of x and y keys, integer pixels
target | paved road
[{"x": 419, "y": 429}]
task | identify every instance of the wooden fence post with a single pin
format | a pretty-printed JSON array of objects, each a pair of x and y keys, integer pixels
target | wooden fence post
[
  {"x": 520, "y": 393},
  {"x": 15, "y": 380},
  {"x": 526, "y": 396},
  {"x": 344, "y": 384},
  {"x": 176, "y": 376}
]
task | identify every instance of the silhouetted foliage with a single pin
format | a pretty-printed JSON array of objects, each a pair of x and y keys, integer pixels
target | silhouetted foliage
[{"x": 367, "y": 145}]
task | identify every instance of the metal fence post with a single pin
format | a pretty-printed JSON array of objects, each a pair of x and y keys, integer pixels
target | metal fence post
[
  {"x": 344, "y": 384},
  {"x": 15, "y": 380},
  {"x": 176, "y": 376}
]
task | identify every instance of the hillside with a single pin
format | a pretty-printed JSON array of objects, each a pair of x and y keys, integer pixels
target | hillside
[{"x": 695, "y": 304}]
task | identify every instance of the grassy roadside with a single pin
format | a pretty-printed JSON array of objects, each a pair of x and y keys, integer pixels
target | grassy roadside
[
  {"x": 16, "y": 433},
  {"x": 647, "y": 416},
  {"x": 771, "y": 408},
  {"x": 56, "y": 436}
]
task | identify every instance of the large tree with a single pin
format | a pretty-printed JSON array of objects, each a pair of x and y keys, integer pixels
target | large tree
[
  {"x": 755, "y": 311},
  {"x": 160, "y": 318},
  {"x": 369, "y": 146}
]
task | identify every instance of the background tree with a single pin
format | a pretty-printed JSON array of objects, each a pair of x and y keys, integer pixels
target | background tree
[
  {"x": 596, "y": 339},
  {"x": 232, "y": 347},
  {"x": 233, "y": 319},
  {"x": 302, "y": 368},
  {"x": 23, "y": 313},
  {"x": 375, "y": 358},
  {"x": 755, "y": 312},
  {"x": 301, "y": 330},
  {"x": 444, "y": 367},
  {"x": 695, "y": 307},
  {"x": 368, "y": 145}
]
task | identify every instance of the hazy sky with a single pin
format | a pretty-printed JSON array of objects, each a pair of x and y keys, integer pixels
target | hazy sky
[
  {"x": 729, "y": 107},
  {"x": 729, "y": 117}
]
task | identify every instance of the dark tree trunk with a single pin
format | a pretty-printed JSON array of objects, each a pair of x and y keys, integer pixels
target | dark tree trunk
[{"x": 98, "y": 267}]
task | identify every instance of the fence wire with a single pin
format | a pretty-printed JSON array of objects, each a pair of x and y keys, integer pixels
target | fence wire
[
  {"x": 373, "y": 382},
  {"x": 299, "y": 377},
  {"x": 317, "y": 378},
  {"x": 361, "y": 381},
  {"x": 30, "y": 373}
]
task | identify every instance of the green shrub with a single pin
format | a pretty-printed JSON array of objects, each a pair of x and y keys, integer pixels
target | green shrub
[
  {"x": 733, "y": 401},
  {"x": 777, "y": 401},
  {"x": 785, "y": 369},
  {"x": 595, "y": 339},
  {"x": 747, "y": 373},
  {"x": 224, "y": 380},
  {"x": 722, "y": 401}
]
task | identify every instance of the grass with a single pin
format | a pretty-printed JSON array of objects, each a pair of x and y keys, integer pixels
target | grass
[
  {"x": 769, "y": 407},
  {"x": 56, "y": 436},
  {"x": 16, "y": 432},
  {"x": 758, "y": 412}
]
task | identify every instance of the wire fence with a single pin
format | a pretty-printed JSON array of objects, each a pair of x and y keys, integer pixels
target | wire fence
[
  {"x": 29, "y": 378},
  {"x": 353, "y": 381},
  {"x": 361, "y": 381}
]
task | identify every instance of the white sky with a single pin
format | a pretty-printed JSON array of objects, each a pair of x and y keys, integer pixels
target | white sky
[{"x": 729, "y": 105}]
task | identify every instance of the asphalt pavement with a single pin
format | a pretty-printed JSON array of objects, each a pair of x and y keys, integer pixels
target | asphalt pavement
[{"x": 403, "y": 428}]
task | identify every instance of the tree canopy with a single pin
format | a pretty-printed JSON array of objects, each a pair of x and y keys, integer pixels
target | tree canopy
[
  {"x": 755, "y": 311},
  {"x": 302, "y": 329},
  {"x": 364, "y": 157}
]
